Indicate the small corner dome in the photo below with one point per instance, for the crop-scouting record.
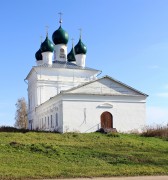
(80, 48)
(47, 46)
(60, 36)
(38, 55)
(71, 56)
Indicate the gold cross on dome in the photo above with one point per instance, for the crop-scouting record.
(60, 21)
(80, 30)
(72, 41)
(47, 27)
(41, 39)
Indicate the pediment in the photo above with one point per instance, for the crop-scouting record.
(105, 86)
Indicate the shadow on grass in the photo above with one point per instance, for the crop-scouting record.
(13, 129)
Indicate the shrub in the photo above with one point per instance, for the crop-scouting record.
(158, 131)
(113, 134)
(12, 129)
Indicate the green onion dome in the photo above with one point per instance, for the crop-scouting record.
(71, 55)
(38, 55)
(47, 45)
(60, 36)
(80, 48)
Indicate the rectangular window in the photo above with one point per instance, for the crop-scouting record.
(51, 121)
(48, 121)
(31, 102)
(56, 119)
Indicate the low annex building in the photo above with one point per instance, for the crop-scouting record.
(66, 96)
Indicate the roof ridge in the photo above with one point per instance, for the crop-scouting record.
(66, 65)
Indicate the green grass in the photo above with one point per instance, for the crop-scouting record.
(49, 155)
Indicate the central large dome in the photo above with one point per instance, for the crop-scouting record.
(60, 36)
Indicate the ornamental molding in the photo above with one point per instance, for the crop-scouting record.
(105, 105)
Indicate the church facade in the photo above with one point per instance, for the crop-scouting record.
(66, 96)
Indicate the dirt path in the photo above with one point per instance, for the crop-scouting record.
(121, 178)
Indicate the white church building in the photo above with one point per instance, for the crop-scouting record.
(66, 96)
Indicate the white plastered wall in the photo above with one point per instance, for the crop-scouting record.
(44, 83)
(60, 52)
(44, 113)
(83, 115)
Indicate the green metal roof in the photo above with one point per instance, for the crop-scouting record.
(47, 45)
(60, 36)
(80, 48)
(38, 55)
(71, 55)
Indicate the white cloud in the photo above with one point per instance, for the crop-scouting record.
(2, 118)
(154, 67)
(4, 104)
(157, 115)
(2, 115)
(164, 94)
(166, 86)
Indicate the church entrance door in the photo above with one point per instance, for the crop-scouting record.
(106, 120)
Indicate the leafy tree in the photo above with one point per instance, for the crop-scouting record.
(21, 113)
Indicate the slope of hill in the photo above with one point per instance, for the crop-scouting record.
(49, 155)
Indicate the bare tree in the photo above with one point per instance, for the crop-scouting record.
(21, 113)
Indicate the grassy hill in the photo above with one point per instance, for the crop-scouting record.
(48, 155)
